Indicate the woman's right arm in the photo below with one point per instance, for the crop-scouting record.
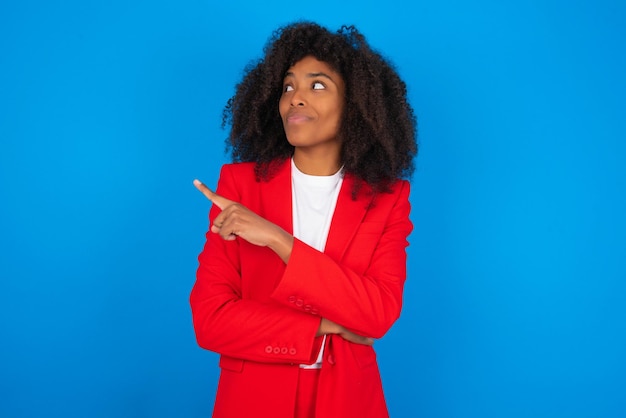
(228, 324)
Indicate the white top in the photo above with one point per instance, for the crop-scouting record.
(313, 200)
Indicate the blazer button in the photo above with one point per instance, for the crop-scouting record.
(314, 311)
(299, 303)
(276, 350)
(307, 308)
(284, 350)
(291, 299)
(269, 349)
(292, 351)
(331, 359)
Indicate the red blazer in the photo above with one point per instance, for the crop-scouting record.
(262, 315)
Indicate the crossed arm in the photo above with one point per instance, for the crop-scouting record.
(235, 220)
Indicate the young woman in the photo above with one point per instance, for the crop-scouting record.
(305, 260)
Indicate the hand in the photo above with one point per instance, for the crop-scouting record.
(235, 220)
(329, 327)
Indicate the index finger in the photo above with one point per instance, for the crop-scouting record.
(220, 201)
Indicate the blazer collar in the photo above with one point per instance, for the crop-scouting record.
(348, 214)
(276, 197)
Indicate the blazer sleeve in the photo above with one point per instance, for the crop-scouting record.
(367, 302)
(228, 324)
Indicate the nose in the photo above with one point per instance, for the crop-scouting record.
(297, 99)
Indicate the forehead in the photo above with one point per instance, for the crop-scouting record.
(310, 64)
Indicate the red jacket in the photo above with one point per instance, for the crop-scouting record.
(262, 315)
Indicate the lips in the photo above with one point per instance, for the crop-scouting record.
(297, 118)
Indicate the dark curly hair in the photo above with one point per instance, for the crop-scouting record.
(378, 128)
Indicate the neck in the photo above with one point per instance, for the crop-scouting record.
(315, 164)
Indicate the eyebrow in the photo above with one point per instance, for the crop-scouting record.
(311, 75)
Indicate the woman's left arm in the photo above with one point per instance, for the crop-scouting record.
(366, 300)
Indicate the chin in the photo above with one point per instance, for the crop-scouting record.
(296, 142)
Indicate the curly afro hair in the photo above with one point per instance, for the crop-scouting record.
(378, 128)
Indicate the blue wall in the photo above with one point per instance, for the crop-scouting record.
(515, 301)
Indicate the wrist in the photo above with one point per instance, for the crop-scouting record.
(282, 244)
(328, 327)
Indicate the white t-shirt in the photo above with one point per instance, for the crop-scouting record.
(313, 201)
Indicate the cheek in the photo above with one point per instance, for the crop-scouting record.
(337, 114)
(283, 107)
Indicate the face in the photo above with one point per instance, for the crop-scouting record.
(311, 105)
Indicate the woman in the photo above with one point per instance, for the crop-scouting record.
(305, 262)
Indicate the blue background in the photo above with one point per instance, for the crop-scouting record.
(515, 299)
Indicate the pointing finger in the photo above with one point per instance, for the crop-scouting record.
(220, 201)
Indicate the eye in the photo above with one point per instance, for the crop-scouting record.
(287, 88)
(317, 85)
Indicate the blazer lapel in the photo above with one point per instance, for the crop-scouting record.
(348, 216)
(349, 213)
(276, 197)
